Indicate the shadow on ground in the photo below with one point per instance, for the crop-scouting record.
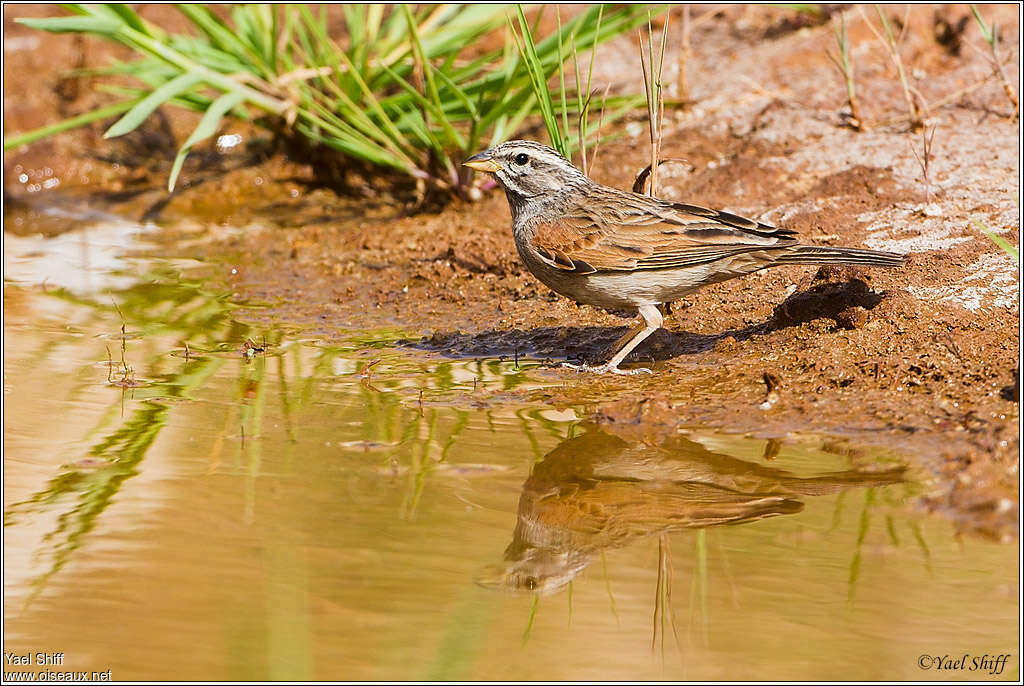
(838, 294)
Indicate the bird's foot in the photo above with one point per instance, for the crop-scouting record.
(607, 369)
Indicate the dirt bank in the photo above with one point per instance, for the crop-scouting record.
(923, 359)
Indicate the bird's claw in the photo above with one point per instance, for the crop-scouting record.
(607, 368)
(625, 372)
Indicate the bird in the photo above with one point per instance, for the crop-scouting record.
(598, 491)
(623, 251)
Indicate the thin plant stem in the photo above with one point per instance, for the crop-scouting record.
(600, 124)
(655, 97)
(1003, 244)
(925, 161)
(661, 90)
(683, 86)
(889, 40)
(991, 36)
(844, 62)
(399, 95)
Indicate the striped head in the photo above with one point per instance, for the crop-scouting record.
(528, 170)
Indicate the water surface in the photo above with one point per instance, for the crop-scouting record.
(187, 497)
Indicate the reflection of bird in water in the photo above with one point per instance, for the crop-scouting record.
(597, 491)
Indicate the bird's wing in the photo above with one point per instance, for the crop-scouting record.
(645, 234)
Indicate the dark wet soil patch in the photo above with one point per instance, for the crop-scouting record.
(840, 294)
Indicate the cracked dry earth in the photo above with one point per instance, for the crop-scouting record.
(922, 359)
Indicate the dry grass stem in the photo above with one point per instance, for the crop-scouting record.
(952, 97)
(647, 90)
(915, 103)
(991, 36)
(600, 125)
(689, 23)
(925, 161)
(844, 62)
(641, 178)
(683, 87)
(654, 93)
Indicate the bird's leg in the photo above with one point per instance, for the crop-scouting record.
(652, 322)
(626, 338)
(625, 345)
(615, 347)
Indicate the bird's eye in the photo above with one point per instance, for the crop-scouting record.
(521, 158)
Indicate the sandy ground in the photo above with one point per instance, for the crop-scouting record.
(923, 359)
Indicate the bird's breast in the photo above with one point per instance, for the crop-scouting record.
(583, 288)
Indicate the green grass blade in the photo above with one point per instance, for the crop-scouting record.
(538, 78)
(211, 26)
(136, 115)
(529, 621)
(356, 147)
(188, 101)
(801, 8)
(104, 27)
(363, 101)
(459, 94)
(20, 139)
(593, 53)
(129, 17)
(428, 75)
(206, 128)
(1003, 244)
(249, 22)
(986, 32)
(355, 21)
(561, 76)
(370, 98)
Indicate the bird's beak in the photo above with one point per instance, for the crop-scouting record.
(493, 577)
(482, 161)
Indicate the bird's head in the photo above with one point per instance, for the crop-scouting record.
(527, 169)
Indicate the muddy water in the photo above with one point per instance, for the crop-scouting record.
(186, 497)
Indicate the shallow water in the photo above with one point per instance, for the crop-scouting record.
(186, 497)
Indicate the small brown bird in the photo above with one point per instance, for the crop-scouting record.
(625, 251)
(597, 491)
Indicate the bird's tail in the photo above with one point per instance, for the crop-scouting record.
(814, 254)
